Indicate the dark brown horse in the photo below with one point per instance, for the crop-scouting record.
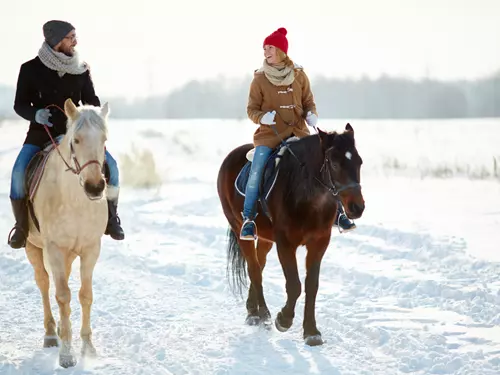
(315, 173)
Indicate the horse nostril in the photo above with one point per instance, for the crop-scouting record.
(356, 208)
(94, 189)
(101, 184)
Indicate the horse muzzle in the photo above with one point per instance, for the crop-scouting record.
(355, 209)
(94, 191)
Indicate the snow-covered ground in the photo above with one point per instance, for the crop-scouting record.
(415, 289)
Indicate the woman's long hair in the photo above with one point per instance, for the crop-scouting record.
(284, 58)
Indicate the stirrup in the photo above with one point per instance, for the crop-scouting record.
(339, 227)
(16, 227)
(9, 236)
(248, 238)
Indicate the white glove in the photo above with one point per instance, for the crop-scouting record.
(311, 119)
(268, 118)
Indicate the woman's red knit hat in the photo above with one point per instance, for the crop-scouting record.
(278, 39)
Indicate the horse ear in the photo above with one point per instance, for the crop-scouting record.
(105, 110)
(349, 128)
(323, 138)
(70, 109)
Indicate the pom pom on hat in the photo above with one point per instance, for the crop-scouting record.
(282, 30)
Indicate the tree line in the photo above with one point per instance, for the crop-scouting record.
(384, 97)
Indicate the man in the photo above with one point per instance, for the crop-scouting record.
(56, 74)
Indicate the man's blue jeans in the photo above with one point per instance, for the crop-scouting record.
(17, 190)
(260, 157)
(114, 177)
(27, 153)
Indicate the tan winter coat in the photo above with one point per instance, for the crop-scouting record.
(291, 104)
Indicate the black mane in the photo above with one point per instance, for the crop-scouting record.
(299, 178)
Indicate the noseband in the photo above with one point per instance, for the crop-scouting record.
(78, 168)
(335, 187)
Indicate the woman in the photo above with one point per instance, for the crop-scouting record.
(280, 97)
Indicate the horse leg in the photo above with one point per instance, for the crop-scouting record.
(58, 263)
(35, 256)
(315, 251)
(255, 275)
(288, 260)
(87, 264)
(263, 248)
(67, 270)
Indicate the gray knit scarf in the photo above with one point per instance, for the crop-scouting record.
(60, 62)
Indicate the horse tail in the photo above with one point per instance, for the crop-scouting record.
(236, 264)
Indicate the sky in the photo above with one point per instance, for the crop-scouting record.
(149, 47)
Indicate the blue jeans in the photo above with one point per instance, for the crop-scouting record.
(27, 153)
(260, 157)
(114, 177)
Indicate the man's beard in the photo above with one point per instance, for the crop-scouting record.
(70, 52)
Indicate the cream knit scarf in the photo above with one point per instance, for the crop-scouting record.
(278, 75)
(60, 62)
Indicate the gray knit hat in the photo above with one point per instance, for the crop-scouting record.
(54, 31)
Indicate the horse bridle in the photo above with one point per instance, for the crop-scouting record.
(78, 168)
(334, 188)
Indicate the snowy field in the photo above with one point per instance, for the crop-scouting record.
(414, 290)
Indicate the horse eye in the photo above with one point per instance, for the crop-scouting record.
(335, 166)
(77, 141)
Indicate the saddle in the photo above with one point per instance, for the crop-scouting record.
(269, 175)
(34, 173)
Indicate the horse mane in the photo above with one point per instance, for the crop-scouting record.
(299, 176)
(88, 116)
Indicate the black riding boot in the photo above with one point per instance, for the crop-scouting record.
(343, 221)
(113, 228)
(20, 210)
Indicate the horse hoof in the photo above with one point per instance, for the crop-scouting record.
(278, 326)
(50, 342)
(252, 320)
(314, 340)
(67, 360)
(278, 323)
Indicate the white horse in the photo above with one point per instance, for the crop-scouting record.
(71, 208)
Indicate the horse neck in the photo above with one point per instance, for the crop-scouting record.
(305, 160)
(301, 181)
